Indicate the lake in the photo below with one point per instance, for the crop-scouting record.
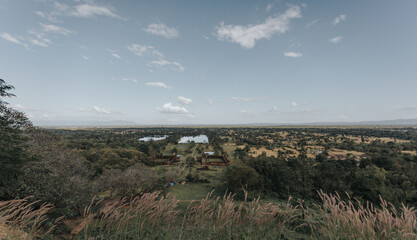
(196, 139)
(153, 138)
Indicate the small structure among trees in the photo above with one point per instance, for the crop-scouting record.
(166, 160)
(214, 160)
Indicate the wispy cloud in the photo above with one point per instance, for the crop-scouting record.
(88, 9)
(247, 36)
(161, 29)
(246, 99)
(157, 84)
(101, 110)
(170, 108)
(38, 37)
(40, 40)
(49, 28)
(336, 39)
(116, 55)
(129, 80)
(338, 19)
(294, 104)
(6, 36)
(159, 61)
(172, 64)
(141, 50)
(293, 54)
(184, 100)
(209, 101)
(91, 10)
(138, 49)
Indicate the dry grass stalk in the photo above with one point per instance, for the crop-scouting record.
(148, 211)
(21, 215)
(353, 220)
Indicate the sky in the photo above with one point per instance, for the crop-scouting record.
(210, 62)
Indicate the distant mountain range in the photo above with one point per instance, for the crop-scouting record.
(397, 122)
(117, 123)
(121, 123)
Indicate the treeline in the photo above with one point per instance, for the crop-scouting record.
(383, 173)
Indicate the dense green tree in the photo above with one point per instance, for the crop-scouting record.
(239, 176)
(12, 143)
(55, 174)
(133, 181)
(189, 163)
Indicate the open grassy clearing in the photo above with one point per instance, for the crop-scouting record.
(230, 149)
(254, 152)
(335, 151)
(414, 153)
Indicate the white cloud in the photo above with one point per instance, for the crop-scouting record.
(86, 58)
(336, 39)
(102, 110)
(294, 104)
(6, 36)
(247, 36)
(209, 101)
(157, 84)
(39, 43)
(170, 108)
(40, 40)
(245, 99)
(116, 55)
(162, 62)
(40, 14)
(161, 30)
(61, 6)
(129, 80)
(55, 29)
(89, 10)
(273, 109)
(184, 100)
(138, 49)
(141, 50)
(338, 19)
(293, 54)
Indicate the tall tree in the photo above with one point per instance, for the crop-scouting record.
(12, 143)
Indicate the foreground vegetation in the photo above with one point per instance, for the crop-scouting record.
(152, 216)
(282, 183)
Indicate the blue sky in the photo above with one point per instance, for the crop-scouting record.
(210, 62)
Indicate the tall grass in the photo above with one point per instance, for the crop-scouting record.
(224, 218)
(21, 220)
(338, 219)
(154, 216)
